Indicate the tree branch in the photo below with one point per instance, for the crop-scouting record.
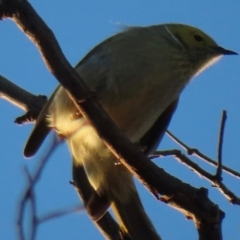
(191, 201)
(23, 99)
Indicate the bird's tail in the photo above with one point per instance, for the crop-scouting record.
(133, 219)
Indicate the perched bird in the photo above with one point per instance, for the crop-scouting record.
(138, 76)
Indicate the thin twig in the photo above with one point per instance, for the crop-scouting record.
(200, 155)
(55, 142)
(21, 211)
(60, 213)
(220, 146)
(32, 200)
(28, 192)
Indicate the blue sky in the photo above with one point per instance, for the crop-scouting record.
(79, 26)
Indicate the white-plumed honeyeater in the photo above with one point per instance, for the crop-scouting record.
(138, 76)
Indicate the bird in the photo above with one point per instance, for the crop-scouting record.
(138, 76)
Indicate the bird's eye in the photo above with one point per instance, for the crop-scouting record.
(198, 38)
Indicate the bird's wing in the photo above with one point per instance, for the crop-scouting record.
(41, 128)
(149, 142)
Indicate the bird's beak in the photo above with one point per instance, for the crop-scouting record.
(224, 51)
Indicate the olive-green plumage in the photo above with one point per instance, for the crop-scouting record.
(138, 76)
